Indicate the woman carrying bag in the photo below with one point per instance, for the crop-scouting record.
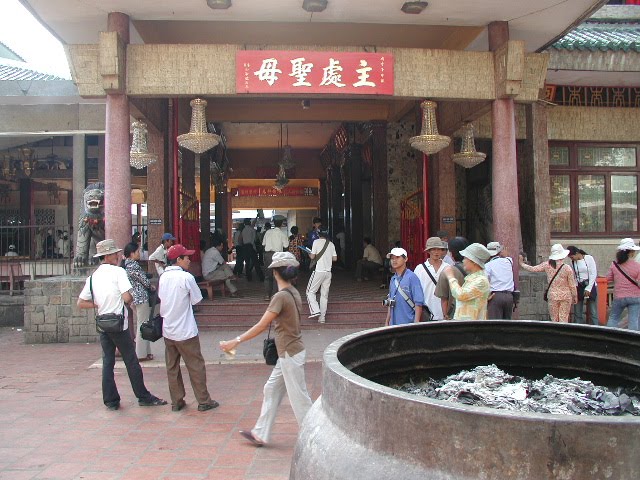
(625, 275)
(585, 271)
(141, 288)
(561, 292)
(288, 373)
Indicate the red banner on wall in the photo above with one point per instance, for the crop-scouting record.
(268, 71)
(274, 192)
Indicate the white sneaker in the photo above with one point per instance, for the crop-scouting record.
(314, 315)
(321, 320)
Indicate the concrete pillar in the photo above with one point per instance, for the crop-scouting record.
(79, 179)
(205, 196)
(380, 186)
(117, 169)
(443, 189)
(157, 192)
(504, 175)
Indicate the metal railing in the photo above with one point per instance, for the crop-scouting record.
(37, 250)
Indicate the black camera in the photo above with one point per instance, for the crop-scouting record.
(388, 302)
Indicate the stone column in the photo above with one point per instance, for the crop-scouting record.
(79, 178)
(535, 181)
(157, 192)
(504, 171)
(444, 185)
(117, 169)
(205, 196)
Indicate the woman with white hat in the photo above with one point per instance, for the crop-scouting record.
(288, 373)
(625, 276)
(561, 290)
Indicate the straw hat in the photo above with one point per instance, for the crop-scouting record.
(283, 259)
(106, 247)
(434, 242)
(477, 253)
(628, 244)
(558, 252)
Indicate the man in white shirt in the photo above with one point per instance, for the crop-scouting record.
(323, 251)
(274, 240)
(499, 270)
(428, 273)
(178, 292)
(159, 256)
(214, 267)
(107, 290)
(370, 262)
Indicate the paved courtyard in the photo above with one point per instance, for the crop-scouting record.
(54, 426)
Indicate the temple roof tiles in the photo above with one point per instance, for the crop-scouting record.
(602, 37)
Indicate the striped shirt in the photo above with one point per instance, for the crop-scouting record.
(471, 297)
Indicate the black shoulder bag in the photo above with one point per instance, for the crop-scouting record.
(108, 322)
(151, 329)
(546, 292)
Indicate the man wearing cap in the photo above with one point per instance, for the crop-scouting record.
(499, 271)
(471, 297)
(178, 292)
(107, 290)
(159, 256)
(370, 262)
(273, 240)
(428, 273)
(405, 291)
(324, 253)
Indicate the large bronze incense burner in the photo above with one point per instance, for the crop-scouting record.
(362, 429)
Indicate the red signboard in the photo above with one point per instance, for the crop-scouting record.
(268, 71)
(274, 192)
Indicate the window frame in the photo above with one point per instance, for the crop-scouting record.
(573, 170)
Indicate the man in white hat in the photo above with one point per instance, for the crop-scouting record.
(499, 271)
(107, 290)
(429, 273)
(471, 297)
(405, 299)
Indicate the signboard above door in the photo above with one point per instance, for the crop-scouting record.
(300, 72)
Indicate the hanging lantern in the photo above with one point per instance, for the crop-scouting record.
(198, 140)
(287, 159)
(468, 157)
(139, 156)
(281, 179)
(27, 160)
(429, 141)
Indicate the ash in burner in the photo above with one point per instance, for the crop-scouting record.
(488, 386)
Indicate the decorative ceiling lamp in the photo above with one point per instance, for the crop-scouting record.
(468, 157)
(429, 141)
(139, 156)
(198, 140)
(27, 160)
(287, 159)
(281, 179)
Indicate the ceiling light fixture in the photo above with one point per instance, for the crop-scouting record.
(468, 156)
(198, 140)
(219, 4)
(429, 141)
(414, 7)
(314, 6)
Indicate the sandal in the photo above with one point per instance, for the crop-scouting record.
(146, 359)
(251, 437)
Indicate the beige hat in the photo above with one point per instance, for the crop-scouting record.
(283, 259)
(477, 253)
(106, 247)
(434, 242)
(558, 252)
(494, 248)
(628, 244)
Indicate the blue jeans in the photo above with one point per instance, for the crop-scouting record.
(122, 340)
(581, 307)
(633, 308)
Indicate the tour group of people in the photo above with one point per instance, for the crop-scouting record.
(458, 280)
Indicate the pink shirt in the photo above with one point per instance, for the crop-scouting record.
(623, 288)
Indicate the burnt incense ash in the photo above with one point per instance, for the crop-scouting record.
(489, 386)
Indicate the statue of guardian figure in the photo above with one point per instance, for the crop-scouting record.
(90, 223)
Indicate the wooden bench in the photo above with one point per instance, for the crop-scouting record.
(207, 285)
(12, 274)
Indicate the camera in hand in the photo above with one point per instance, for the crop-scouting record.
(388, 302)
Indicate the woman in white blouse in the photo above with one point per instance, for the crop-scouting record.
(585, 271)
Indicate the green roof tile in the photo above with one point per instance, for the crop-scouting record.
(602, 36)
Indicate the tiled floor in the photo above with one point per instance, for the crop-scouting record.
(53, 424)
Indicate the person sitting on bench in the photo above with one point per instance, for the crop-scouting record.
(215, 268)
